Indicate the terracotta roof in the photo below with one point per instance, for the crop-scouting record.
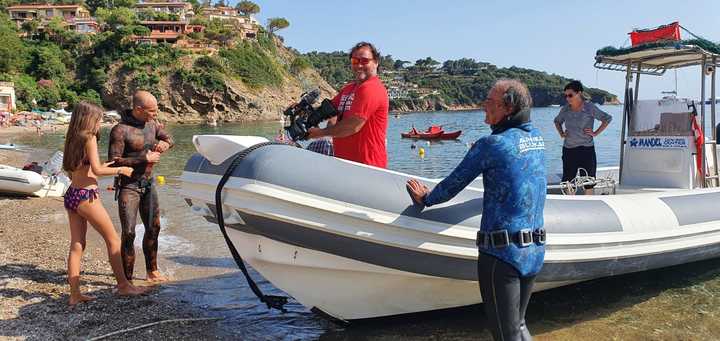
(163, 4)
(151, 22)
(18, 7)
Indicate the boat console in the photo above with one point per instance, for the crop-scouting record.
(660, 150)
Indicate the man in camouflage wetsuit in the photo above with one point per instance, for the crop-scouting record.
(137, 142)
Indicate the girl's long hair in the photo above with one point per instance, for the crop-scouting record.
(83, 126)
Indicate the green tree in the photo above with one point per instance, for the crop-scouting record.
(123, 3)
(13, 53)
(195, 5)
(31, 28)
(47, 63)
(400, 64)
(94, 5)
(26, 91)
(275, 24)
(427, 63)
(57, 31)
(387, 62)
(7, 3)
(247, 7)
(116, 18)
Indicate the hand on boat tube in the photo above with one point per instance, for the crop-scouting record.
(417, 191)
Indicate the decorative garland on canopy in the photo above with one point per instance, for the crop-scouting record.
(610, 51)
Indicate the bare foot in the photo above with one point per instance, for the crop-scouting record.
(79, 298)
(131, 290)
(156, 277)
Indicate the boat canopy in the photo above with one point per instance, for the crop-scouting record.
(656, 134)
(656, 58)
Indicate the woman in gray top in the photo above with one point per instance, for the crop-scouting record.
(579, 117)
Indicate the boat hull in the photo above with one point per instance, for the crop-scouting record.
(358, 249)
(422, 136)
(451, 136)
(18, 181)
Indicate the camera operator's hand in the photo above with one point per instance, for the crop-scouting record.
(315, 132)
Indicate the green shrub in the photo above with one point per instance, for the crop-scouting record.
(208, 80)
(266, 41)
(298, 64)
(144, 80)
(255, 68)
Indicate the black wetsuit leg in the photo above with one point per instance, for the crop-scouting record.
(150, 210)
(128, 205)
(505, 298)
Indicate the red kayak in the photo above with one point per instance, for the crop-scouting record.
(414, 134)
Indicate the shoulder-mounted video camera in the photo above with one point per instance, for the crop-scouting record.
(303, 116)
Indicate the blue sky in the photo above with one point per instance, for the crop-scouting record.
(558, 37)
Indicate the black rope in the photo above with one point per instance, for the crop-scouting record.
(277, 302)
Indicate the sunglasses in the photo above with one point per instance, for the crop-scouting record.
(361, 61)
(569, 95)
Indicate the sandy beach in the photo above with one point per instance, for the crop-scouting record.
(33, 289)
(18, 130)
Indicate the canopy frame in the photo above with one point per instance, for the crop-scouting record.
(655, 60)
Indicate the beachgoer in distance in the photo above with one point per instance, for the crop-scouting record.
(360, 128)
(578, 116)
(82, 163)
(137, 142)
(511, 236)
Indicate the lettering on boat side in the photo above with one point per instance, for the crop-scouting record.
(658, 142)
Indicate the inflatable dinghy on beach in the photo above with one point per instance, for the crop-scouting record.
(345, 238)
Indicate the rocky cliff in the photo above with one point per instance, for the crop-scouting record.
(184, 102)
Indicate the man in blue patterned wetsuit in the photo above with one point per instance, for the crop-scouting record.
(511, 237)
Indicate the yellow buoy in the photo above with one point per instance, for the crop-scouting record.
(421, 152)
(160, 180)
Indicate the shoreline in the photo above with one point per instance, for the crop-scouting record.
(33, 280)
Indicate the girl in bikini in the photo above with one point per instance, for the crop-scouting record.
(82, 163)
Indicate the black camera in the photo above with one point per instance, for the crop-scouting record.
(303, 116)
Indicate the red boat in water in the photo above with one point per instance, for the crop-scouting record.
(414, 134)
(432, 133)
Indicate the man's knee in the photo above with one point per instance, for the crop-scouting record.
(128, 238)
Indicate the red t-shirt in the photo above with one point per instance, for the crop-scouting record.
(368, 100)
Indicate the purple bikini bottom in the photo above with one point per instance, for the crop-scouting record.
(74, 196)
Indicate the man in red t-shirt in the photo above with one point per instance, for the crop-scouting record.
(359, 129)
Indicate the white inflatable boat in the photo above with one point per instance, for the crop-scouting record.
(354, 246)
(17, 181)
(51, 183)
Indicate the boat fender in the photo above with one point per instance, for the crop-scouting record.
(277, 302)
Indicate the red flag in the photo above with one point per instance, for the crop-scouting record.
(663, 33)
